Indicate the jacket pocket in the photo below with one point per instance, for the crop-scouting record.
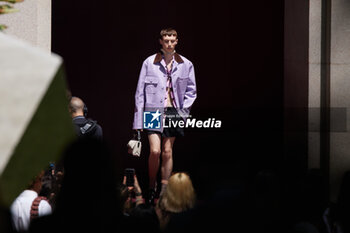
(151, 84)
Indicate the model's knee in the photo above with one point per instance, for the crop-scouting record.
(155, 152)
(167, 154)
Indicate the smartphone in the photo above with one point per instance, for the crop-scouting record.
(129, 173)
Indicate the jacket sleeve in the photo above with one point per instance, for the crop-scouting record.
(139, 98)
(191, 90)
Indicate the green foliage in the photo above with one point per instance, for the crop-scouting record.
(6, 8)
(11, 1)
(2, 27)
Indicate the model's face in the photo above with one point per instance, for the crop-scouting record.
(168, 43)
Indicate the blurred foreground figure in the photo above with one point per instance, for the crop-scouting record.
(88, 200)
(29, 205)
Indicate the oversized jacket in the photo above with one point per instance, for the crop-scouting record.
(151, 88)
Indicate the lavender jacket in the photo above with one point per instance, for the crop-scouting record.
(151, 88)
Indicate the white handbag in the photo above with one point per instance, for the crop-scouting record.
(134, 146)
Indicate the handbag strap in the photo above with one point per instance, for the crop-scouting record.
(138, 135)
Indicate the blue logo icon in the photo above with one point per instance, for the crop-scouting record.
(151, 120)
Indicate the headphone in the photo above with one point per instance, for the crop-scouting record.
(85, 110)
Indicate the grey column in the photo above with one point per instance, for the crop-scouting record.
(339, 92)
(314, 84)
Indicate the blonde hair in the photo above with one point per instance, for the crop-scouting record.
(179, 194)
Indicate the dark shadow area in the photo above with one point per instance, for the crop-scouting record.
(88, 199)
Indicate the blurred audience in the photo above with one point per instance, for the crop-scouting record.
(29, 205)
(80, 195)
(143, 218)
(178, 196)
(88, 200)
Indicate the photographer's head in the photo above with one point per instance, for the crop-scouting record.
(36, 182)
(76, 107)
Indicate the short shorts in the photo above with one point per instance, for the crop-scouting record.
(170, 115)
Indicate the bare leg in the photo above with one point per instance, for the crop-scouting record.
(153, 160)
(167, 159)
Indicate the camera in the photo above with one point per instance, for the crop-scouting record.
(129, 173)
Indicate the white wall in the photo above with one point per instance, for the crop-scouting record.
(32, 23)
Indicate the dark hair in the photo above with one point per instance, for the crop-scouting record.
(47, 182)
(35, 180)
(168, 32)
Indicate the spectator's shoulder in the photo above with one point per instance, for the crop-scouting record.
(45, 204)
(99, 127)
(15, 206)
(44, 208)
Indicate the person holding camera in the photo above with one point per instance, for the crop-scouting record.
(138, 216)
(128, 189)
(166, 84)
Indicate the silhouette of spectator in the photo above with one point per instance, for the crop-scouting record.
(29, 205)
(143, 218)
(88, 200)
(52, 183)
(178, 196)
(83, 127)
